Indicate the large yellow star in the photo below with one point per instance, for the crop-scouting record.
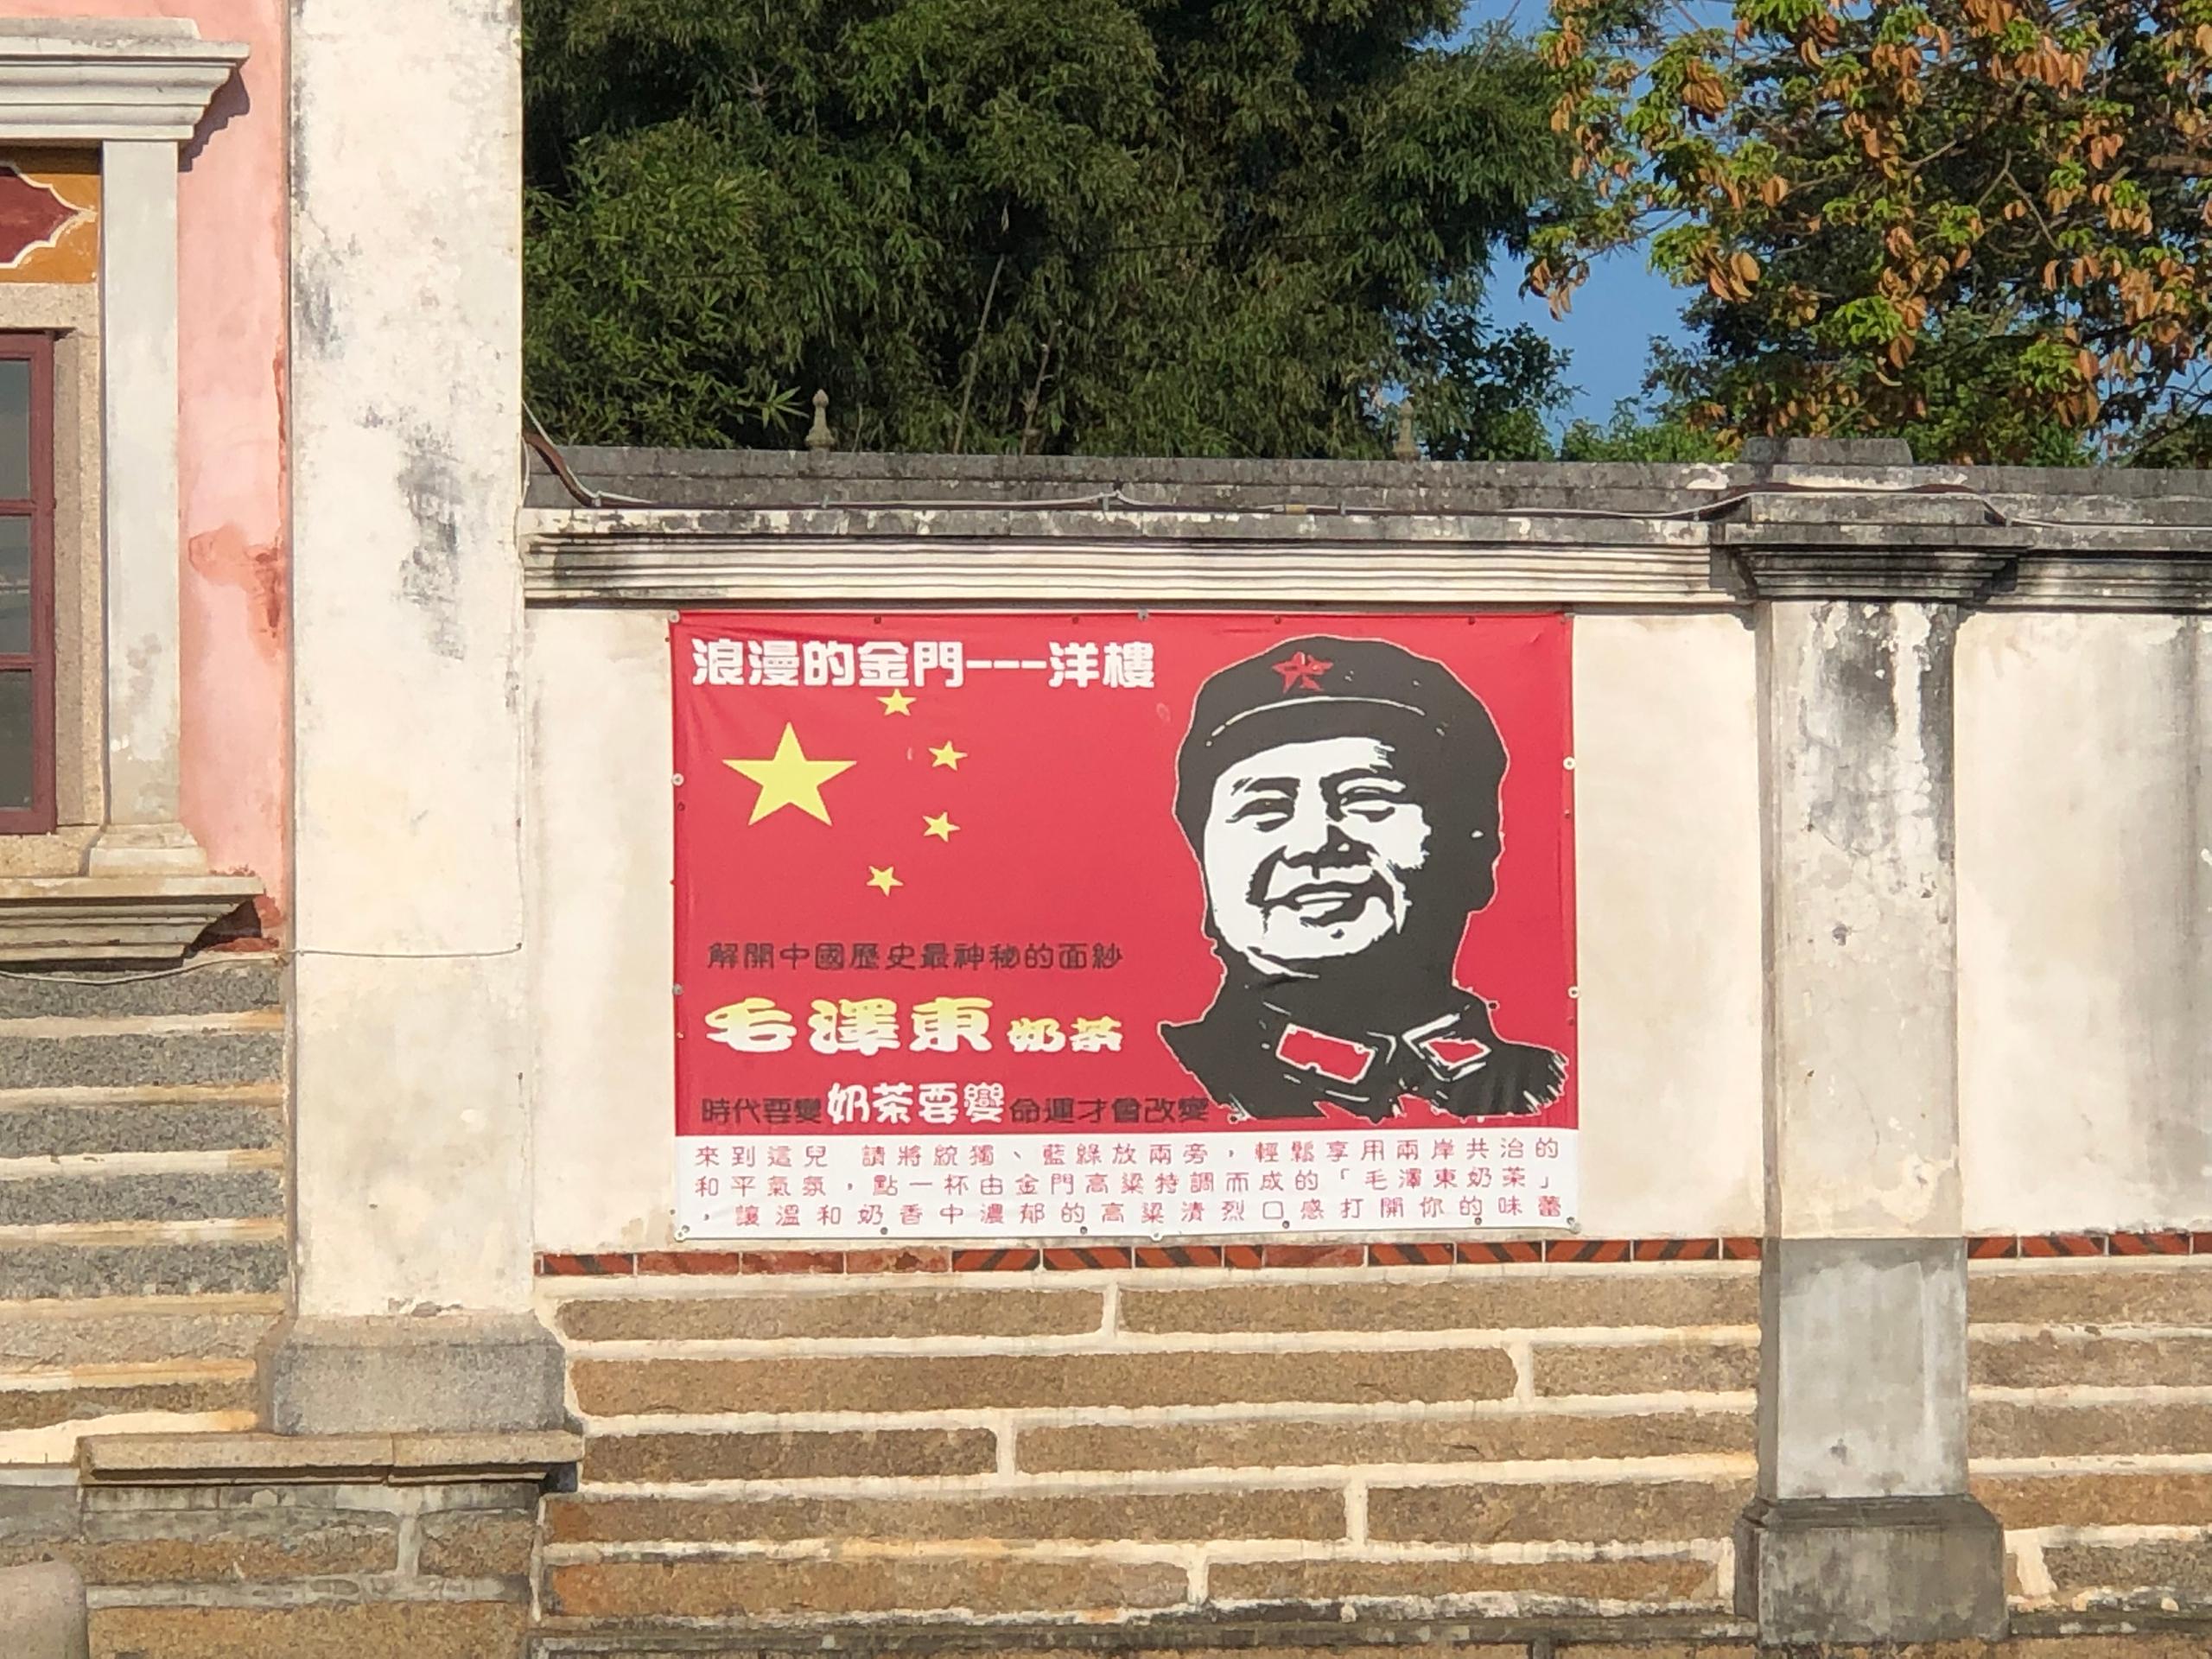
(947, 756)
(789, 778)
(941, 826)
(883, 880)
(896, 702)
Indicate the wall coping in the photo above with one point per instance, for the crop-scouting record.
(647, 477)
(1375, 533)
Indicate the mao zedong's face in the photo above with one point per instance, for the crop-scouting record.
(1312, 851)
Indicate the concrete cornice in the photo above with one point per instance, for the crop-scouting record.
(151, 918)
(1949, 546)
(66, 80)
(984, 555)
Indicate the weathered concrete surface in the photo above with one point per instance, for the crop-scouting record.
(1862, 1530)
(2085, 921)
(1862, 1368)
(700, 477)
(1833, 1570)
(1861, 952)
(43, 1613)
(603, 831)
(434, 1375)
(409, 1038)
(1666, 872)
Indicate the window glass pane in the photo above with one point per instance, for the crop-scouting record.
(14, 428)
(15, 585)
(16, 759)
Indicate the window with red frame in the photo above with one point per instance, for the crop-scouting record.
(26, 584)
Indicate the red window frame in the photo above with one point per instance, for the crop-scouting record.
(37, 350)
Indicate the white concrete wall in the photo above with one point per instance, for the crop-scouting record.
(602, 927)
(1667, 877)
(1667, 848)
(2085, 908)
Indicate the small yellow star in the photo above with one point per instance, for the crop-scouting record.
(941, 826)
(947, 756)
(883, 880)
(789, 778)
(898, 702)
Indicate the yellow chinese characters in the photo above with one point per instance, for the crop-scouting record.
(945, 1024)
(870, 1025)
(862, 1025)
(756, 1026)
(1043, 1036)
(1040, 1036)
(1092, 1036)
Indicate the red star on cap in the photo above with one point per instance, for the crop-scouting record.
(1300, 672)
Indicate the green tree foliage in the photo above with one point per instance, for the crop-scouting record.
(1632, 434)
(1152, 226)
(1982, 225)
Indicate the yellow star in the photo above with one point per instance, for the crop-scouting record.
(883, 880)
(788, 778)
(941, 826)
(897, 703)
(947, 756)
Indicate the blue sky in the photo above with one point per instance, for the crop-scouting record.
(1617, 312)
(1609, 333)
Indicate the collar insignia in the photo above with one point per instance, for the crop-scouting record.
(1338, 1059)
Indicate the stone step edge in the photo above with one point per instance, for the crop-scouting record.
(108, 1234)
(115, 1166)
(62, 1027)
(268, 1095)
(128, 1373)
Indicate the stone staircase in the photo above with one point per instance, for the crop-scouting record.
(143, 1245)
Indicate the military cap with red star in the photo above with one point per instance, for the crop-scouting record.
(1322, 686)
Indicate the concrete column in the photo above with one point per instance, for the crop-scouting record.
(43, 1613)
(1862, 1530)
(408, 1009)
(138, 295)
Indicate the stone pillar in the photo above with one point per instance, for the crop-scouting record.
(1862, 1529)
(409, 1033)
(138, 254)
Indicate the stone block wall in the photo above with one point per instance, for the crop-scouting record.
(1487, 1438)
(2091, 1427)
(1036, 1443)
(261, 1567)
(143, 1247)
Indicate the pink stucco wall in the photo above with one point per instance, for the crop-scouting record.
(232, 311)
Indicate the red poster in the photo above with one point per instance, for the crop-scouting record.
(1017, 927)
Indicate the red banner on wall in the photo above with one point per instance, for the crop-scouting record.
(1028, 926)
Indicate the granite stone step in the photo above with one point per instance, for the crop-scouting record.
(50, 1053)
(206, 984)
(59, 1336)
(76, 1198)
(71, 1122)
(43, 1271)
